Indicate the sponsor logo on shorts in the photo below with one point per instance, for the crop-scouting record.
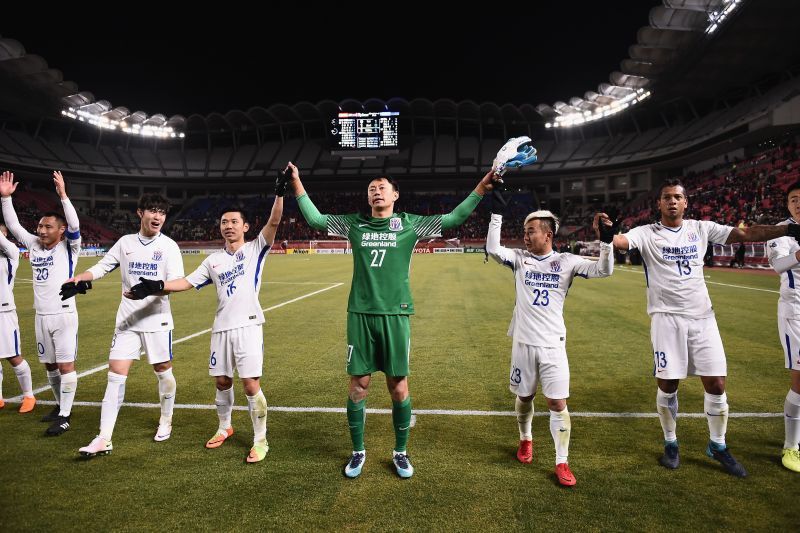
(251, 317)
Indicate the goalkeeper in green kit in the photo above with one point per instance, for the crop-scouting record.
(378, 328)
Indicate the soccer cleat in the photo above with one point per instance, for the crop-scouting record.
(257, 453)
(219, 437)
(791, 459)
(353, 467)
(671, 459)
(525, 451)
(52, 415)
(731, 465)
(58, 427)
(564, 475)
(2, 403)
(402, 463)
(28, 403)
(98, 446)
(163, 432)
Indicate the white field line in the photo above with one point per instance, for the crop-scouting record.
(632, 271)
(193, 335)
(417, 412)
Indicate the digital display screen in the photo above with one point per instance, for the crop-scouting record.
(364, 132)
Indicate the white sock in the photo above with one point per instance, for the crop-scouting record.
(224, 403)
(560, 429)
(667, 408)
(54, 379)
(69, 383)
(791, 408)
(166, 394)
(115, 394)
(716, 407)
(258, 414)
(23, 372)
(524, 417)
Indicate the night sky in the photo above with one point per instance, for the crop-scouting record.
(517, 53)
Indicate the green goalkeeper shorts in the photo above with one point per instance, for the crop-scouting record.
(378, 342)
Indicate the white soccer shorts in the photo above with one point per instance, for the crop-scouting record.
(789, 331)
(240, 349)
(684, 346)
(533, 364)
(10, 343)
(57, 337)
(130, 344)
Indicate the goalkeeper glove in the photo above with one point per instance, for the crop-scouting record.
(516, 152)
(70, 289)
(146, 288)
(282, 181)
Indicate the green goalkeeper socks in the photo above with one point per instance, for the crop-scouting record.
(401, 418)
(356, 418)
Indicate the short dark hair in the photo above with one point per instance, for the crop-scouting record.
(388, 178)
(153, 201)
(793, 187)
(671, 182)
(58, 216)
(234, 209)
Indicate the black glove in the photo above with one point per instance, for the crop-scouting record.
(794, 231)
(607, 232)
(282, 181)
(70, 289)
(146, 288)
(500, 201)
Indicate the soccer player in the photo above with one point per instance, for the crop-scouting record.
(9, 326)
(53, 254)
(784, 257)
(140, 325)
(543, 278)
(683, 329)
(378, 326)
(237, 341)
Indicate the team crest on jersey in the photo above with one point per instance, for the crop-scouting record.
(157, 255)
(240, 255)
(555, 266)
(395, 224)
(692, 236)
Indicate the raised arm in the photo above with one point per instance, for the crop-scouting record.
(310, 212)
(73, 224)
(605, 229)
(271, 227)
(7, 188)
(8, 248)
(459, 215)
(494, 249)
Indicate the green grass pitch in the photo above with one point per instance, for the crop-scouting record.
(466, 475)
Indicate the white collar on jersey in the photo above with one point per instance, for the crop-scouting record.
(144, 240)
(673, 230)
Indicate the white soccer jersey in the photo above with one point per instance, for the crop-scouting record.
(137, 256)
(542, 284)
(9, 262)
(51, 268)
(673, 264)
(781, 255)
(238, 280)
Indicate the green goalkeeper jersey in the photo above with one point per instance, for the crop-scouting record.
(382, 249)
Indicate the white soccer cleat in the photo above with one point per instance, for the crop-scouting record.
(98, 446)
(163, 433)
